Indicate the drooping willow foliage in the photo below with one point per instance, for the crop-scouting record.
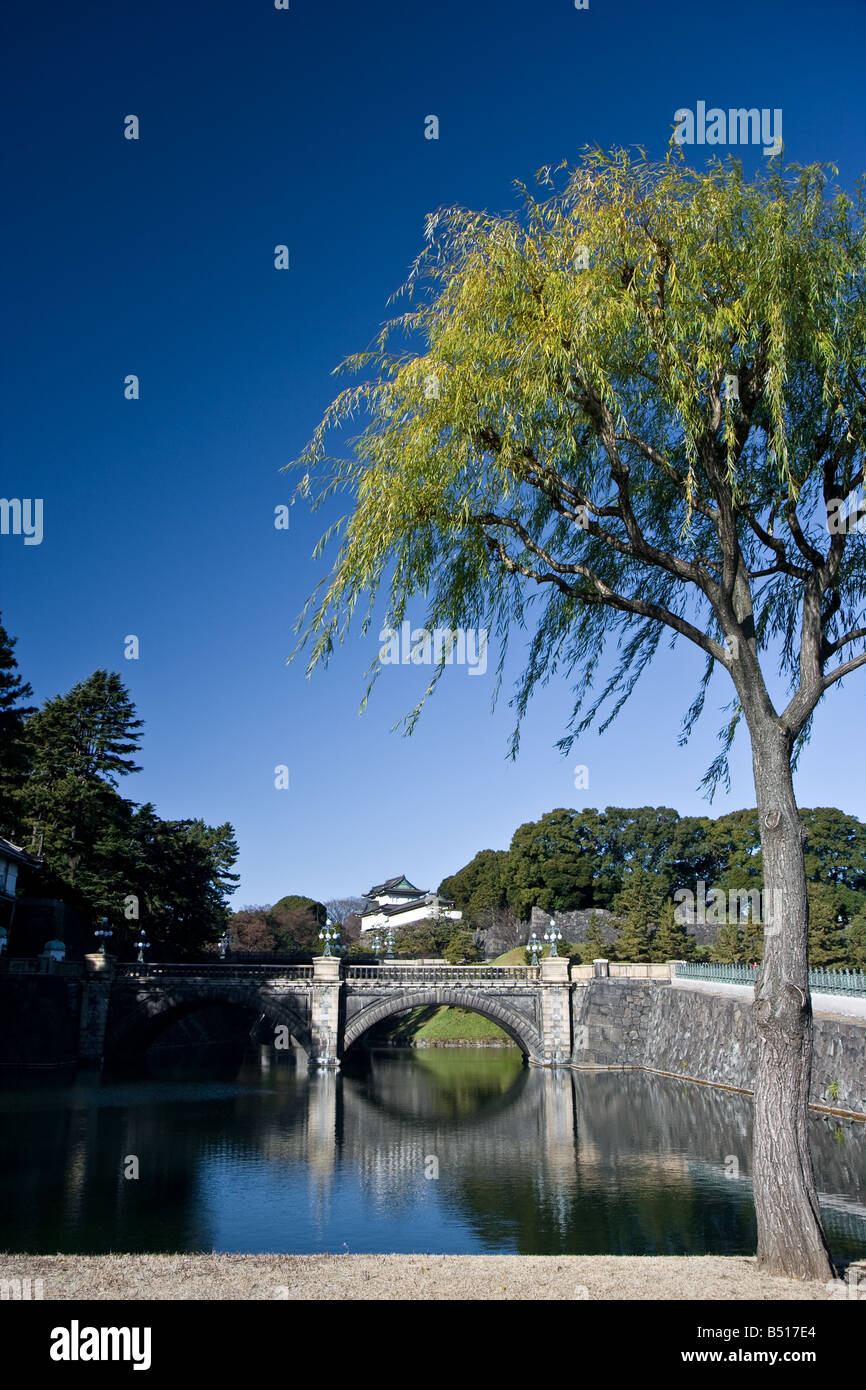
(625, 409)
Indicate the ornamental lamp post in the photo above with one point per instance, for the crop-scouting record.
(534, 945)
(104, 933)
(142, 945)
(225, 942)
(329, 935)
(377, 946)
(389, 942)
(553, 934)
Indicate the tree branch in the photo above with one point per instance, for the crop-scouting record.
(603, 593)
(843, 670)
(830, 647)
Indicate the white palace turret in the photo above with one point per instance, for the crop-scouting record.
(398, 903)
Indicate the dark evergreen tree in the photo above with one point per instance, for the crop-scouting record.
(170, 878)
(181, 880)
(671, 940)
(856, 942)
(461, 948)
(638, 907)
(79, 747)
(828, 944)
(593, 946)
(728, 948)
(481, 886)
(835, 847)
(13, 748)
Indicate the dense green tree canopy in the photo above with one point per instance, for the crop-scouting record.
(835, 847)
(480, 884)
(572, 859)
(181, 871)
(550, 865)
(80, 746)
(14, 693)
(62, 766)
(289, 927)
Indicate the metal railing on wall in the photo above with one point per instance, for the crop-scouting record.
(821, 981)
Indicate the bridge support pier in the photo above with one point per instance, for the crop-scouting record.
(95, 999)
(325, 1029)
(555, 1012)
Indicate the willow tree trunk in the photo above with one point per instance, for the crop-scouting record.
(791, 1238)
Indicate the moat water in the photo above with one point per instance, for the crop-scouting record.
(442, 1151)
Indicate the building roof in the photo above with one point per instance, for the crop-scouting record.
(392, 909)
(399, 886)
(10, 851)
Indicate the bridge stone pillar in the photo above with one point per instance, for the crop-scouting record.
(95, 998)
(555, 1012)
(325, 1022)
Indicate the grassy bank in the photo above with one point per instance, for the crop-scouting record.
(441, 1026)
(446, 1026)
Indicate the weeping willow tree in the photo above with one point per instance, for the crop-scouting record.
(634, 409)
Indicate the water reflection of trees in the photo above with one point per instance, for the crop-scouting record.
(62, 1154)
(529, 1160)
(453, 1084)
(619, 1162)
(652, 1159)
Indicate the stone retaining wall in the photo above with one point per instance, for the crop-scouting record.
(704, 1037)
(39, 1021)
(574, 925)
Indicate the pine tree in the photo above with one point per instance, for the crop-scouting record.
(856, 942)
(13, 748)
(593, 947)
(634, 943)
(182, 879)
(827, 942)
(671, 940)
(753, 939)
(639, 908)
(728, 947)
(462, 949)
(79, 747)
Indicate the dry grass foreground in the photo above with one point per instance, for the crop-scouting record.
(403, 1277)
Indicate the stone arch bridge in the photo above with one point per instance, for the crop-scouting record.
(326, 1007)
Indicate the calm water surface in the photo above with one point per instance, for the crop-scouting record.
(276, 1159)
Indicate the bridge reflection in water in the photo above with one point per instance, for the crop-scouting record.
(452, 1150)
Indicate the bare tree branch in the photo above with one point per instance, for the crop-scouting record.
(843, 670)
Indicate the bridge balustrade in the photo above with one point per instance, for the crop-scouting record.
(431, 974)
(396, 974)
(138, 970)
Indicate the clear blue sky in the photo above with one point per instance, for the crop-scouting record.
(155, 257)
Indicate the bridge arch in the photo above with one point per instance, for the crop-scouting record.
(152, 1012)
(518, 1028)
